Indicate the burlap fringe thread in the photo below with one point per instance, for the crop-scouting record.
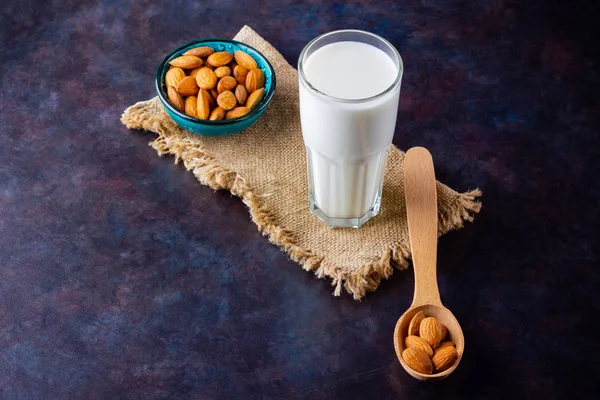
(209, 172)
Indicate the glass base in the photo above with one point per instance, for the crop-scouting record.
(334, 222)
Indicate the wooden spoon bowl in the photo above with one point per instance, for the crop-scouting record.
(421, 212)
(444, 316)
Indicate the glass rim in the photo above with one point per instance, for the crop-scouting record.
(306, 82)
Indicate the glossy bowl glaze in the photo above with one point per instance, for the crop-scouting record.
(223, 127)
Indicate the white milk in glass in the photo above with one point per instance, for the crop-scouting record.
(347, 141)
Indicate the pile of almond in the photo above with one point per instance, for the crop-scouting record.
(211, 85)
(426, 351)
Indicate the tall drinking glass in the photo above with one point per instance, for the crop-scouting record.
(349, 91)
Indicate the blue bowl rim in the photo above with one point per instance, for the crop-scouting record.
(257, 111)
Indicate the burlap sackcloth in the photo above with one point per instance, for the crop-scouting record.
(265, 165)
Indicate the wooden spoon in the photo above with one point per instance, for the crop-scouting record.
(421, 210)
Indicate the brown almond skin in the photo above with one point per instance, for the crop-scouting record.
(222, 71)
(255, 98)
(245, 60)
(226, 100)
(175, 98)
(201, 52)
(212, 103)
(241, 94)
(191, 105)
(214, 93)
(418, 360)
(444, 358)
(195, 71)
(226, 83)
(237, 112)
(445, 344)
(444, 332)
(186, 62)
(188, 87)
(431, 331)
(417, 342)
(415, 323)
(203, 109)
(255, 80)
(174, 76)
(240, 73)
(219, 58)
(206, 78)
(217, 114)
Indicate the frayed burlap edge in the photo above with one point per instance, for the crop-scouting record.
(209, 172)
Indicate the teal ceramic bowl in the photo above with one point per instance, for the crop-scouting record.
(223, 127)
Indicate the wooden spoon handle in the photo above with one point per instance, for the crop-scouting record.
(421, 211)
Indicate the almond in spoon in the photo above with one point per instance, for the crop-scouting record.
(444, 358)
(415, 323)
(418, 360)
(418, 343)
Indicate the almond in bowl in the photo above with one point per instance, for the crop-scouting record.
(229, 83)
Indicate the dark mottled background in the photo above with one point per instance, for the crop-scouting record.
(121, 277)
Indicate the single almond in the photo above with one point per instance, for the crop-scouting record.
(237, 112)
(206, 78)
(175, 98)
(186, 62)
(415, 323)
(214, 93)
(417, 342)
(188, 87)
(191, 105)
(255, 98)
(418, 360)
(226, 100)
(174, 76)
(217, 114)
(445, 344)
(431, 331)
(212, 103)
(226, 83)
(222, 71)
(444, 332)
(444, 358)
(219, 58)
(239, 73)
(245, 60)
(241, 94)
(203, 109)
(201, 52)
(255, 80)
(195, 71)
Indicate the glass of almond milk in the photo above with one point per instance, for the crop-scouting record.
(349, 91)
